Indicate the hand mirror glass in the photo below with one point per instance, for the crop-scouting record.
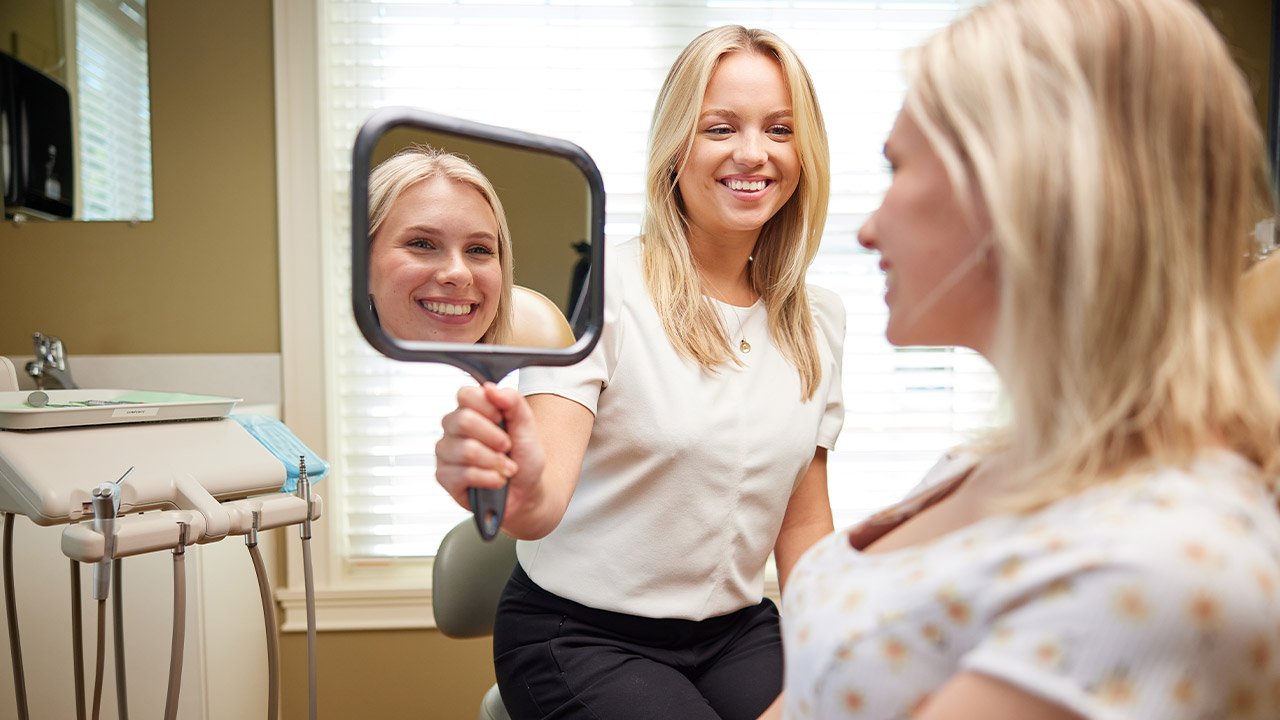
(473, 245)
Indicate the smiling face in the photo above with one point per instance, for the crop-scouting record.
(742, 166)
(434, 269)
(941, 285)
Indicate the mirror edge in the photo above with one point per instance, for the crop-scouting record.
(484, 362)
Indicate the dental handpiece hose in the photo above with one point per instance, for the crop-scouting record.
(179, 624)
(308, 582)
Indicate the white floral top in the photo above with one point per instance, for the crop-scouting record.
(1151, 598)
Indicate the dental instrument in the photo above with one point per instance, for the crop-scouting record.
(309, 589)
(40, 399)
(106, 505)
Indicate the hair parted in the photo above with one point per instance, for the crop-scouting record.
(1117, 149)
(787, 243)
(418, 163)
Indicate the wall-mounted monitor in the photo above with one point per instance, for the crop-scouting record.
(36, 153)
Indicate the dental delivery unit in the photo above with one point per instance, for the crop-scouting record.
(134, 472)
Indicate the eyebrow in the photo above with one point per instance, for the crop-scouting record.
(725, 112)
(432, 230)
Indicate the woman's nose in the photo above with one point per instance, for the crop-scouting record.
(454, 271)
(867, 233)
(751, 149)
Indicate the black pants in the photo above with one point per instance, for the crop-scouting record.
(558, 659)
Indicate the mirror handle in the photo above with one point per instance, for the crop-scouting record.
(488, 506)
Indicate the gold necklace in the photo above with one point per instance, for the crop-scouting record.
(743, 345)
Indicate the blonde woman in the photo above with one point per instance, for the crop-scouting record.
(1075, 185)
(439, 250)
(649, 483)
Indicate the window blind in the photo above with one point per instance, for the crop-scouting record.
(114, 110)
(589, 71)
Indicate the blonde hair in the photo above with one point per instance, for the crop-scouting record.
(1118, 152)
(415, 164)
(787, 242)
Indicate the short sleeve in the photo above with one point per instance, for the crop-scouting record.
(583, 381)
(1184, 623)
(829, 317)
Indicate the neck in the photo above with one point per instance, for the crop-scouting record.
(725, 269)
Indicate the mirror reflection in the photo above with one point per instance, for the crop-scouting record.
(439, 250)
(472, 241)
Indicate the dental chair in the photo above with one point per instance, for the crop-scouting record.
(468, 574)
(538, 322)
(466, 580)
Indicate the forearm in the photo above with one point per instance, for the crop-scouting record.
(564, 428)
(794, 542)
(539, 512)
(807, 520)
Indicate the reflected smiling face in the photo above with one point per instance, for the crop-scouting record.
(434, 268)
(743, 165)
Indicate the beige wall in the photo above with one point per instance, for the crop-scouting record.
(1246, 24)
(203, 277)
(391, 674)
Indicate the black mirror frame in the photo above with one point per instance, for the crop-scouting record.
(484, 362)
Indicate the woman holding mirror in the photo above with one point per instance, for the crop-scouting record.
(649, 483)
(440, 265)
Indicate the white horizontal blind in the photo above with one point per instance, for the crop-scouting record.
(589, 72)
(114, 115)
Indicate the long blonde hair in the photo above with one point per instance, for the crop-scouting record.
(1116, 146)
(788, 241)
(417, 163)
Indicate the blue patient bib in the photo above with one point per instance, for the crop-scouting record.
(280, 440)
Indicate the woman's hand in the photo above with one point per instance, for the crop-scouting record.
(477, 452)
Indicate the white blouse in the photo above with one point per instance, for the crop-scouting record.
(687, 473)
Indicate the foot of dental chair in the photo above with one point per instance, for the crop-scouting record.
(492, 708)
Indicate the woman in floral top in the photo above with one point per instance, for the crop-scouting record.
(1075, 186)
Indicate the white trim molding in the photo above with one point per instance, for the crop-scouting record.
(360, 609)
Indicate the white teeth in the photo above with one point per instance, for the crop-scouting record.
(746, 184)
(447, 308)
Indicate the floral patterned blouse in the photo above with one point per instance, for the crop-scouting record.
(1156, 597)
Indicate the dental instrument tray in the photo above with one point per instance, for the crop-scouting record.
(45, 409)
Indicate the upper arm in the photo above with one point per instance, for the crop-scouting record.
(974, 696)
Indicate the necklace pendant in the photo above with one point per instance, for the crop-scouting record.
(744, 346)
